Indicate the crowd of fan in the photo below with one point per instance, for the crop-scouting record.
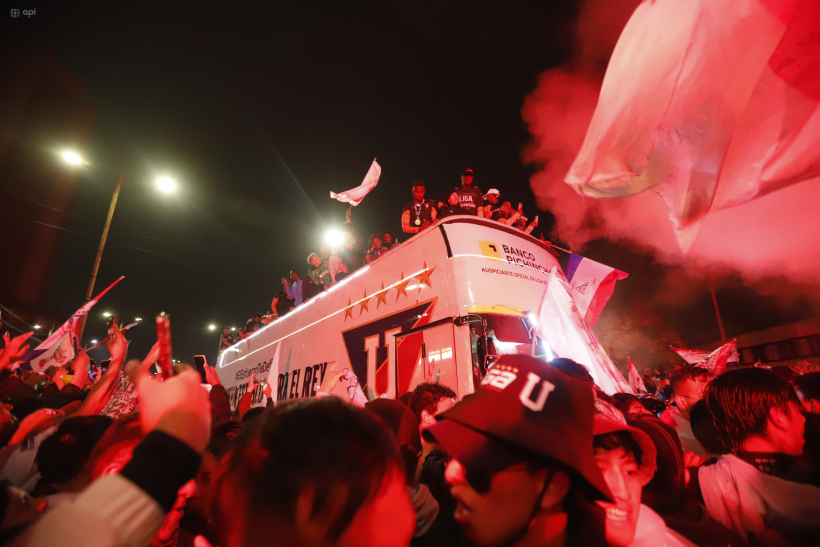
(331, 265)
(537, 456)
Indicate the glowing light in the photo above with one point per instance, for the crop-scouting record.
(532, 319)
(138, 319)
(106, 314)
(211, 327)
(37, 327)
(72, 158)
(233, 328)
(93, 341)
(334, 238)
(166, 184)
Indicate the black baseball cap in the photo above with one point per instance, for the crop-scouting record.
(467, 172)
(524, 410)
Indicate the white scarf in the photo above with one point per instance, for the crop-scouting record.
(775, 511)
(651, 531)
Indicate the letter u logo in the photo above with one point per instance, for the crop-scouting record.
(526, 393)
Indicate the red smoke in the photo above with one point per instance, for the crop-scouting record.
(777, 236)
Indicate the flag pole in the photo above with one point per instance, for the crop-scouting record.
(90, 292)
(717, 313)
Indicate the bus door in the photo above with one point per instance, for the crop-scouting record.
(426, 354)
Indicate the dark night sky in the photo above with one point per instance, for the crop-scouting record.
(259, 112)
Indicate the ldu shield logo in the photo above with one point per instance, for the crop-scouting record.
(371, 346)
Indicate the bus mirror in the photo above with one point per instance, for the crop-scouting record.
(462, 320)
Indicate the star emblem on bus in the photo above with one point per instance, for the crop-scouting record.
(424, 276)
(363, 304)
(348, 310)
(401, 287)
(381, 296)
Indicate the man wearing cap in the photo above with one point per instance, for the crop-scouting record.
(470, 197)
(522, 467)
(626, 457)
(490, 201)
(420, 213)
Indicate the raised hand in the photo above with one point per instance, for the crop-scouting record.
(177, 406)
(117, 347)
(211, 377)
(14, 349)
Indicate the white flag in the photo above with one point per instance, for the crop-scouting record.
(566, 333)
(273, 375)
(57, 355)
(67, 329)
(591, 284)
(356, 195)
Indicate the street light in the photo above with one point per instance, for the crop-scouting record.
(164, 184)
(106, 314)
(37, 327)
(72, 158)
(334, 238)
(211, 327)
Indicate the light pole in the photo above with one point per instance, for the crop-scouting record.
(164, 184)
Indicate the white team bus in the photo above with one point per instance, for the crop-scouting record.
(438, 307)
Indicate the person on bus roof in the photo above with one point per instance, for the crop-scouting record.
(376, 248)
(420, 213)
(294, 288)
(506, 215)
(226, 339)
(470, 197)
(452, 207)
(490, 202)
(319, 274)
(389, 241)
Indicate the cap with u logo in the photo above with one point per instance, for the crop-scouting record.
(524, 410)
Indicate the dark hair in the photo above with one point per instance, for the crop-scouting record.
(223, 435)
(740, 399)
(703, 427)
(809, 385)
(375, 236)
(348, 227)
(120, 440)
(687, 372)
(622, 401)
(295, 271)
(418, 183)
(252, 413)
(427, 395)
(62, 456)
(573, 370)
(404, 424)
(321, 444)
(619, 439)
